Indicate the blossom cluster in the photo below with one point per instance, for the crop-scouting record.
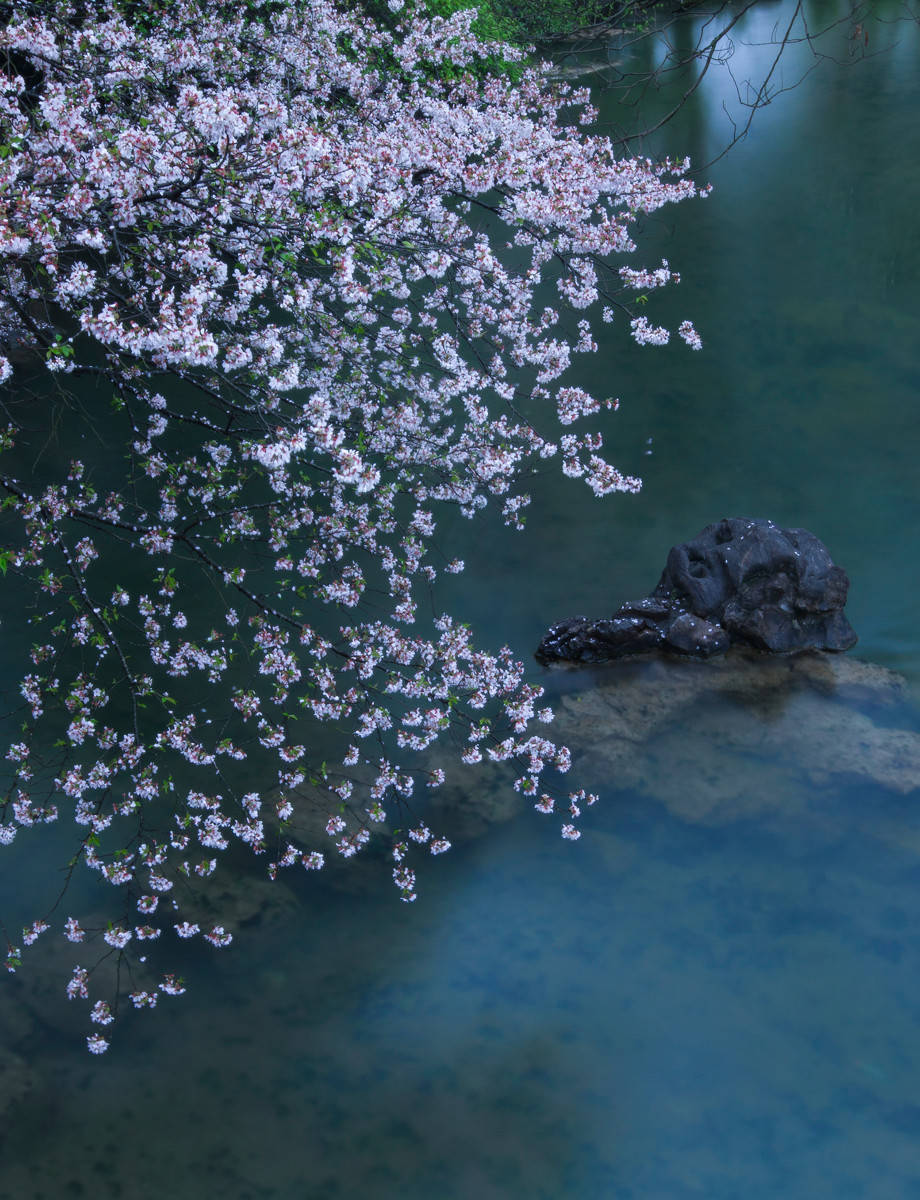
(308, 255)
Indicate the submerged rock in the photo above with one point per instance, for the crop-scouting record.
(18, 1079)
(743, 735)
(739, 582)
(814, 739)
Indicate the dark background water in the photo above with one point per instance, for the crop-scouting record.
(671, 1007)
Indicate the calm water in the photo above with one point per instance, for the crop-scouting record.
(714, 993)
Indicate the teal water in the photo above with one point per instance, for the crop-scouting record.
(714, 993)
(800, 272)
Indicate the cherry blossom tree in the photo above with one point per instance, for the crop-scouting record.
(296, 263)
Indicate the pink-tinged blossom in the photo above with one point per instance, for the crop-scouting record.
(142, 999)
(101, 1013)
(31, 934)
(77, 984)
(358, 356)
(218, 936)
(690, 336)
(603, 478)
(349, 846)
(96, 1043)
(72, 930)
(644, 280)
(647, 334)
(117, 937)
(404, 879)
(171, 986)
(582, 797)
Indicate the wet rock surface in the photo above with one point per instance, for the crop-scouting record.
(739, 582)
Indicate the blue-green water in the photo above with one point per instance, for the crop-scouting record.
(714, 993)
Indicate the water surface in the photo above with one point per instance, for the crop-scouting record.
(713, 993)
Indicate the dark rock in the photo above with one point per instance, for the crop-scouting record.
(694, 635)
(649, 607)
(739, 581)
(581, 640)
(776, 589)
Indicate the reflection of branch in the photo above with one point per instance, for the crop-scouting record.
(713, 44)
(708, 53)
(763, 95)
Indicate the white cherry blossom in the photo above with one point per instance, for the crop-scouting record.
(304, 260)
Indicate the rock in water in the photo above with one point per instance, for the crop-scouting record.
(748, 734)
(775, 589)
(739, 582)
